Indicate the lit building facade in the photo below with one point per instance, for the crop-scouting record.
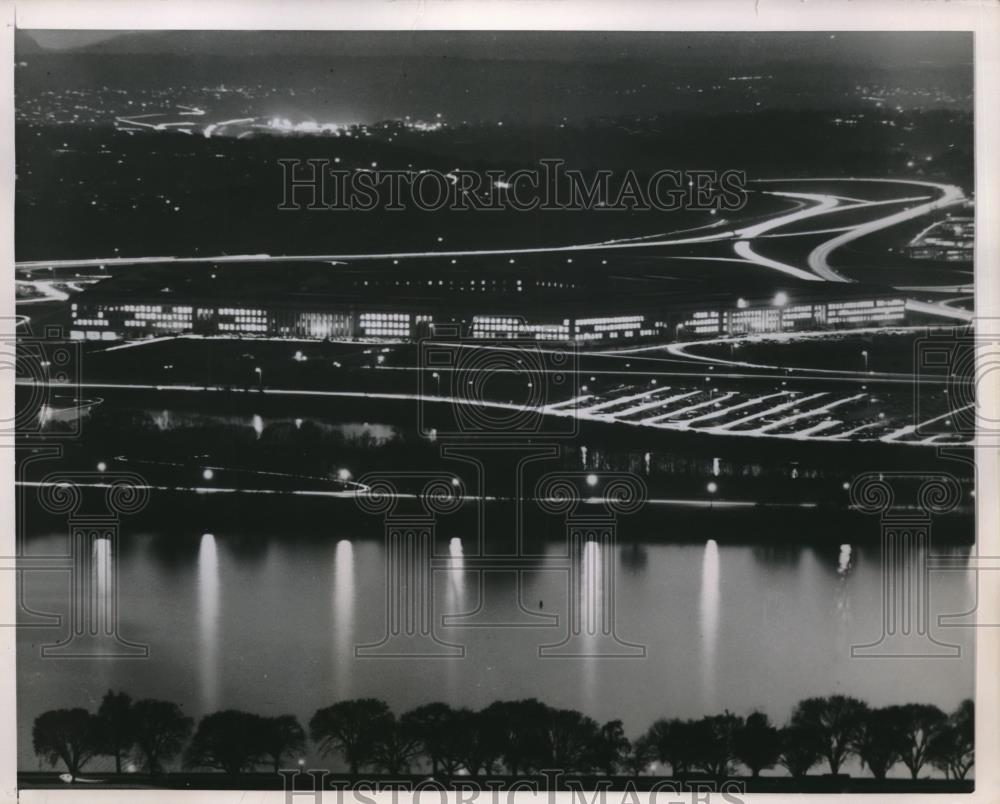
(97, 318)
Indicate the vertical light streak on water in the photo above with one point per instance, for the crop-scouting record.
(844, 566)
(103, 601)
(258, 425)
(456, 571)
(844, 559)
(709, 619)
(591, 605)
(343, 618)
(208, 623)
(455, 603)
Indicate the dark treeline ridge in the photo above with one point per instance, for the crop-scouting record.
(517, 737)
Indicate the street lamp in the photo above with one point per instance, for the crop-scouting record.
(437, 379)
(591, 480)
(260, 375)
(864, 354)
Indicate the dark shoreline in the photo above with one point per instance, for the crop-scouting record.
(268, 515)
(489, 786)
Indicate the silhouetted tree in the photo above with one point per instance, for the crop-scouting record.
(952, 748)
(640, 755)
(800, 749)
(350, 727)
(674, 744)
(834, 721)
(476, 741)
(161, 729)
(460, 740)
(714, 743)
(230, 741)
(432, 724)
(917, 724)
(570, 738)
(519, 726)
(611, 748)
(396, 745)
(69, 735)
(757, 744)
(116, 726)
(283, 736)
(877, 741)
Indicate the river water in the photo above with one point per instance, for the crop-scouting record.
(268, 623)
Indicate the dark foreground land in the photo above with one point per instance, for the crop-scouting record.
(492, 785)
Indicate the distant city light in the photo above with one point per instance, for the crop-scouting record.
(102, 466)
(208, 474)
(591, 480)
(780, 299)
(712, 487)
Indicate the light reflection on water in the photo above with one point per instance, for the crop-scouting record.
(456, 602)
(376, 433)
(343, 617)
(591, 601)
(208, 623)
(709, 618)
(725, 626)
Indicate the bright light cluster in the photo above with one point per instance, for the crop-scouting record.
(237, 319)
(389, 325)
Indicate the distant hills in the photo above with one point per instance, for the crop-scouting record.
(528, 77)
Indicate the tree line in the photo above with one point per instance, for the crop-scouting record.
(512, 737)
